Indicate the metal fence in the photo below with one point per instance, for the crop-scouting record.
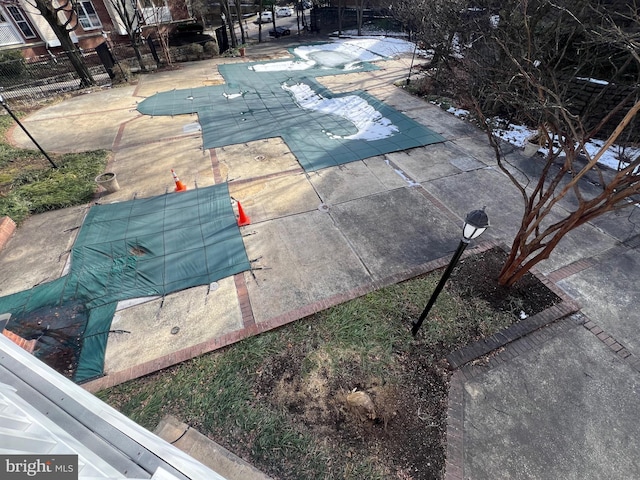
(46, 75)
(31, 79)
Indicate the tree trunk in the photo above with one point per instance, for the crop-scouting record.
(229, 21)
(72, 52)
(75, 57)
(534, 242)
(239, 15)
(131, 23)
(360, 14)
(136, 50)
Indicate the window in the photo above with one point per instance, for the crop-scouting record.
(87, 15)
(155, 12)
(21, 21)
(8, 33)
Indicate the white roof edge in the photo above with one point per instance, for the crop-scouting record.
(51, 381)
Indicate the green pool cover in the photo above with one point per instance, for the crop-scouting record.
(143, 247)
(159, 245)
(254, 104)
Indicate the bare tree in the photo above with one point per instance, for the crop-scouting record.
(62, 16)
(226, 10)
(158, 17)
(531, 66)
(198, 9)
(437, 25)
(239, 15)
(129, 14)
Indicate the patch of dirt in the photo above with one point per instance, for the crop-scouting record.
(406, 431)
(476, 277)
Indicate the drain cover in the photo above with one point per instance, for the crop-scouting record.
(323, 207)
(175, 330)
(259, 158)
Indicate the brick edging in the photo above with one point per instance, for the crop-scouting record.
(116, 378)
(28, 345)
(248, 320)
(617, 347)
(454, 455)
(454, 464)
(7, 227)
(510, 334)
(524, 327)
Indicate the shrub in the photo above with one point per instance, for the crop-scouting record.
(195, 50)
(211, 48)
(14, 206)
(8, 55)
(59, 190)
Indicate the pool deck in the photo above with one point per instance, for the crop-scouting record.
(560, 402)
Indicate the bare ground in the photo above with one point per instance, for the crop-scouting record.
(406, 432)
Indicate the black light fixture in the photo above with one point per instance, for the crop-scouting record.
(6, 107)
(475, 224)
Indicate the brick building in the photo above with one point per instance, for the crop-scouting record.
(23, 28)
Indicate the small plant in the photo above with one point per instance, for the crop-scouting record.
(234, 52)
(444, 103)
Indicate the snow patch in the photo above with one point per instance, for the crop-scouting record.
(346, 54)
(370, 123)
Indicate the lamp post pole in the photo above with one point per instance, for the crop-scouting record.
(475, 224)
(6, 107)
(440, 286)
(413, 57)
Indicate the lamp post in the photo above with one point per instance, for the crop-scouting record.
(474, 225)
(6, 107)
(413, 57)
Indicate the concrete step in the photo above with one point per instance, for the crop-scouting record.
(206, 451)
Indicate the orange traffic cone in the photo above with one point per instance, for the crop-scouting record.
(179, 185)
(243, 219)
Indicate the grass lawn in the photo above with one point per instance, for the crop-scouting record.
(281, 400)
(29, 183)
